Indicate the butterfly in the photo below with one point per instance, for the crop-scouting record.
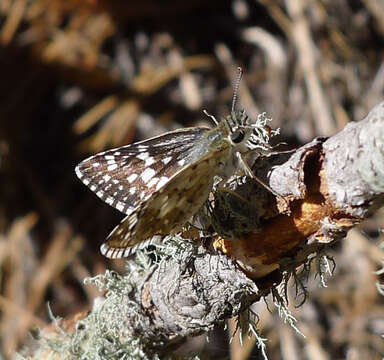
(161, 182)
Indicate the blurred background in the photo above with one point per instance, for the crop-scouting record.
(81, 76)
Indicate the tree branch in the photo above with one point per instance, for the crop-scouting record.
(183, 288)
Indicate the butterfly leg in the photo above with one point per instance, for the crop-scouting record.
(250, 173)
(278, 152)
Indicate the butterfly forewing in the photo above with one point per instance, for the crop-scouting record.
(126, 176)
(170, 207)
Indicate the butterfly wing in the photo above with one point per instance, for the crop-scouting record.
(125, 177)
(170, 207)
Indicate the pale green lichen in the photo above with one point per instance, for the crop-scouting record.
(281, 304)
(246, 325)
(106, 332)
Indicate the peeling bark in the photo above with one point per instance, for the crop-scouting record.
(331, 185)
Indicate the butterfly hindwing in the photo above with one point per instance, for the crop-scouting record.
(169, 208)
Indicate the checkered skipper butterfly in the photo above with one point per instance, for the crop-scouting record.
(160, 183)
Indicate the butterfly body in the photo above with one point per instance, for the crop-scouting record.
(160, 183)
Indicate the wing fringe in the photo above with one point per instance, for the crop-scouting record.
(119, 253)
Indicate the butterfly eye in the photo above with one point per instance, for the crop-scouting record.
(238, 136)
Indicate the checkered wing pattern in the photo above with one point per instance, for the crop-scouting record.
(169, 207)
(127, 176)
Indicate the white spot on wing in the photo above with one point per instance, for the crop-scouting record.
(127, 252)
(120, 206)
(162, 182)
(130, 210)
(109, 157)
(149, 161)
(132, 190)
(143, 156)
(106, 178)
(147, 175)
(166, 160)
(96, 164)
(153, 182)
(112, 167)
(104, 249)
(78, 172)
(131, 178)
(181, 162)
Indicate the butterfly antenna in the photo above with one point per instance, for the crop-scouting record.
(236, 87)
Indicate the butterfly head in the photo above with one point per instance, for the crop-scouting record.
(246, 135)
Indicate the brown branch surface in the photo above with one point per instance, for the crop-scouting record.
(331, 185)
